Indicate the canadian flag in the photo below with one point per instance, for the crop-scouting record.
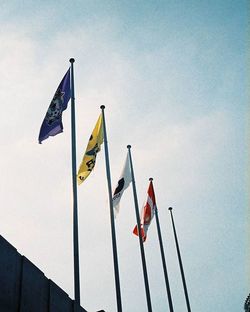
(147, 213)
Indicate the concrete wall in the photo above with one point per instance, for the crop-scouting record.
(24, 288)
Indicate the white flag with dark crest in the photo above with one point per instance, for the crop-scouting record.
(122, 184)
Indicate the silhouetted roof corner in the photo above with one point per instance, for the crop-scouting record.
(24, 286)
(247, 304)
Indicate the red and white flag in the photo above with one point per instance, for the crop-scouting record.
(147, 213)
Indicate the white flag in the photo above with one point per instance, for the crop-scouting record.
(122, 184)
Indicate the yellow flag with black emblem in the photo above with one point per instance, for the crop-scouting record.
(94, 146)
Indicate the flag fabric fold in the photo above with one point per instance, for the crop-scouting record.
(123, 183)
(147, 213)
(93, 147)
(52, 123)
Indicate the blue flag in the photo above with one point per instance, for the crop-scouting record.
(52, 123)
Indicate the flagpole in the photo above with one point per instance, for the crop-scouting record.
(180, 262)
(115, 257)
(171, 309)
(74, 180)
(139, 234)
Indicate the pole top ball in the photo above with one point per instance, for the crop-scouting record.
(128, 146)
(102, 106)
(170, 208)
(151, 179)
(72, 60)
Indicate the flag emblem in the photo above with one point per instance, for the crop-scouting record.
(119, 188)
(55, 109)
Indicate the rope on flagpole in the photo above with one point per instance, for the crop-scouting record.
(144, 266)
(74, 184)
(171, 309)
(180, 261)
(113, 235)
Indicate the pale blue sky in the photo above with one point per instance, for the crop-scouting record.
(172, 75)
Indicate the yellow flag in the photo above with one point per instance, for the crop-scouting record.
(89, 158)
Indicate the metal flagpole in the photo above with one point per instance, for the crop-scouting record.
(74, 180)
(139, 234)
(180, 262)
(171, 309)
(115, 257)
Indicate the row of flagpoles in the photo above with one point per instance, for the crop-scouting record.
(51, 126)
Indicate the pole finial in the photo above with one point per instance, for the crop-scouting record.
(170, 208)
(151, 179)
(128, 146)
(72, 60)
(102, 107)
